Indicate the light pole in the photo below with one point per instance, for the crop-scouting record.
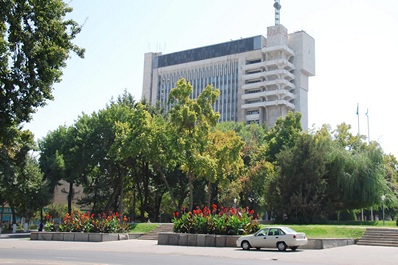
(382, 199)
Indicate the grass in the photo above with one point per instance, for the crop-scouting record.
(330, 231)
(140, 228)
(340, 230)
(337, 230)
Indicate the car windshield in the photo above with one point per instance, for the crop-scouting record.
(288, 230)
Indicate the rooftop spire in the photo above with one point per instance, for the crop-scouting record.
(277, 7)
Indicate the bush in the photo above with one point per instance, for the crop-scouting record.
(397, 222)
(86, 222)
(223, 221)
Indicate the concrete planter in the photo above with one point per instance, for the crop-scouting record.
(76, 236)
(201, 240)
(328, 243)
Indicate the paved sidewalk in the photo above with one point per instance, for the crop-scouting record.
(353, 254)
(15, 235)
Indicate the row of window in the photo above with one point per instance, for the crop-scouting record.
(213, 51)
(227, 83)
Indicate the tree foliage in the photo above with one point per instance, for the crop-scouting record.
(325, 173)
(35, 43)
(192, 120)
(135, 159)
(283, 134)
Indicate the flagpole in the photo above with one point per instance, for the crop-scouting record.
(367, 118)
(358, 118)
(358, 137)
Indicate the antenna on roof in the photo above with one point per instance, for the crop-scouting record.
(277, 7)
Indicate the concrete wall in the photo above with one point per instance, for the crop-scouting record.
(75, 236)
(206, 240)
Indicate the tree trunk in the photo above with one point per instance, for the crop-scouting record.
(132, 211)
(1, 217)
(14, 217)
(70, 197)
(145, 181)
(163, 176)
(95, 196)
(190, 179)
(208, 193)
(111, 200)
(121, 193)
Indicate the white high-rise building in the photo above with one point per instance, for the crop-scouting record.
(260, 79)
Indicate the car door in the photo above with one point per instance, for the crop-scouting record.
(258, 240)
(273, 237)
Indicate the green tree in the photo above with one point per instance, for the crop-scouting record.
(355, 171)
(30, 193)
(192, 120)
(63, 157)
(284, 134)
(391, 175)
(298, 191)
(223, 159)
(35, 43)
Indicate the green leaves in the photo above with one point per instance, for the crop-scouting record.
(34, 46)
(284, 134)
(321, 174)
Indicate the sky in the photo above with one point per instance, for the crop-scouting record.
(356, 55)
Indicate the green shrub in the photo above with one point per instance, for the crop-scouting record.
(223, 221)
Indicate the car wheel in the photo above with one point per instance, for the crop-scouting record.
(281, 246)
(245, 245)
(294, 248)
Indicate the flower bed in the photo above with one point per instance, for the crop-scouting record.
(217, 221)
(86, 222)
(216, 227)
(85, 227)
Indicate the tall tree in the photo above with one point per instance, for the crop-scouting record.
(30, 193)
(298, 192)
(13, 162)
(192, 120)
(35, 43)
(223, 159)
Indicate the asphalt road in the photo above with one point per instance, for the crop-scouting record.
(24, 251)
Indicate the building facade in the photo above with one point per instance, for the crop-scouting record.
(260, 79)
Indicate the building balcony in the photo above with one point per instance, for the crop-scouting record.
(254, 66)
(281, 93)
(252, 117)
(283, 48)
(278, 63)
(264, 104)
(278, 74)
(281, 83)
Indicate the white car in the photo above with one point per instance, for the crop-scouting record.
(270, 237)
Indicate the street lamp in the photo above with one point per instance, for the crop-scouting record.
(382, 199)
(235, 202)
